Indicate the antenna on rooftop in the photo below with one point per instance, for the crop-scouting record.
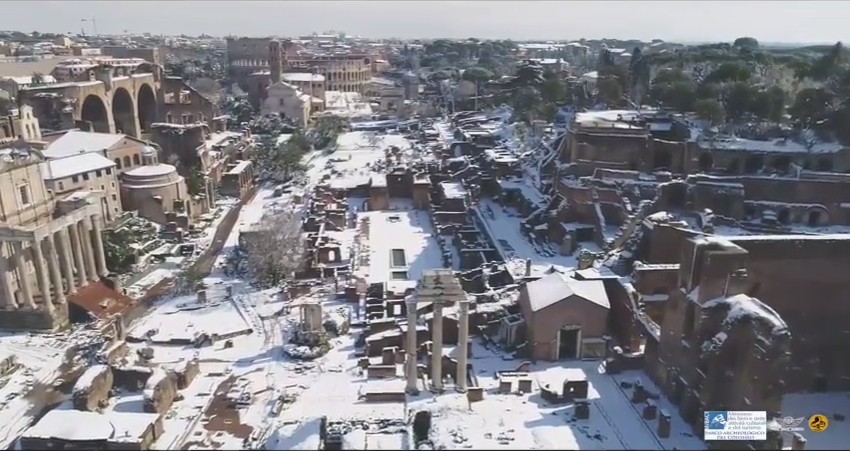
(93, 25)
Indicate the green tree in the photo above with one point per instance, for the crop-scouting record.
(710, 110)
(811, 106)
(479, 76)
(746, 43)
(554, 90)
(529, 73)
(730, 72)
(327, 131)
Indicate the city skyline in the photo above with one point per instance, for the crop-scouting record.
(788, 22)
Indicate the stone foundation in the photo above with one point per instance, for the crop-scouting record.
(35, 319)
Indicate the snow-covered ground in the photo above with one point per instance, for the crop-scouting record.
(39, 357)
(173, 265)
(353, 162)
(503, 421)
(504, 227)
(349, 104)
(411, 232)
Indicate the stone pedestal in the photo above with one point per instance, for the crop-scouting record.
(664, 424)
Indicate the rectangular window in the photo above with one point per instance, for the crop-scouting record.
(398, 258)
(690, 319)
(75, 179)
(24, 191)
(114, 197)
(98, 174)
(61, 186)
(108, 171)
(85, 176)
(398, 275)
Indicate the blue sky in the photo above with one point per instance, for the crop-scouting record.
(675, 20)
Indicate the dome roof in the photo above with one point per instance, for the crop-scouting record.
(148, 151)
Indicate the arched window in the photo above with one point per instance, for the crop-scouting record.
(824, 164)
(706, 162)
(136, 160)
(127, 163)
(117, 163)
(753, 164)
(784, 216)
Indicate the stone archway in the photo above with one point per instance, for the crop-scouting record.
(706, 162)
(124, 112)
(95, 113)
(146, 105)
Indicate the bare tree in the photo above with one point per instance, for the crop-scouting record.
(275, 249)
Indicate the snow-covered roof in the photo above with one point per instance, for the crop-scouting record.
(771, 146)
(151, 171)
(555, 287)
(79, 426)
(88, 377)
(70, 165)
(453, 190)
(609, 119)
(303, 76)
(27, 79)
(743, 306)
(76, 141)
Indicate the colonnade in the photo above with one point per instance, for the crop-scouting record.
(411, 371)
(64, 259)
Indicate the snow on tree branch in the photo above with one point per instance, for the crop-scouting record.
(275, 249)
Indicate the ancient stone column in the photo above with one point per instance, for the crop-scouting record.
(463, 346)
(437, 348)
(23, 275)
(55, 272)
(97, 238)
(411, 349)
(77, 250)
(5, 280)
(41, 274)
(67, 261)
(88, 249)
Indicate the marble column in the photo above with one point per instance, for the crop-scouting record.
(97, 239)
(77, 251)
(437, 348)
(6, 281)
(412, 350)
(41, 274)
(67, 262)
(463, 345)
(23, 275)
(55, 271)
(88, 249)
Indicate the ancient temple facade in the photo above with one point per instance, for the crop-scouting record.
(49, 247)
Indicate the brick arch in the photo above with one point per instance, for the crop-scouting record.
(93, 111)
(146, 105)
(123, 107)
